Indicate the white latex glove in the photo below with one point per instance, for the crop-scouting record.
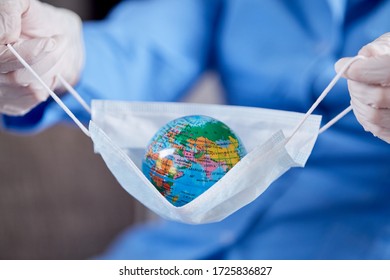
(369, 86)
(49, 39)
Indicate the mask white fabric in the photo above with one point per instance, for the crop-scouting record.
(121, 131)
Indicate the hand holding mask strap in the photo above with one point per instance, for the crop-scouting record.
(55, 96)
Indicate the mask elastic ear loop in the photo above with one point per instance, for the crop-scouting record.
(52, 94)
(322, 96)
(74, 93)
(335, 119)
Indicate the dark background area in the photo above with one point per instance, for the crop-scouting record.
(99, 9)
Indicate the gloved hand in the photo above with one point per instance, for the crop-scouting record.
(369, 86)
(49, 39)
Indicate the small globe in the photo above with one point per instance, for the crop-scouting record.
(188, 155)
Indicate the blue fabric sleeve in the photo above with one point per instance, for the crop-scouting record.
(144, 50)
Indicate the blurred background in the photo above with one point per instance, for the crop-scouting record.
(57, 198)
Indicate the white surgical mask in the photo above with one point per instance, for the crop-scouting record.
(121, 130)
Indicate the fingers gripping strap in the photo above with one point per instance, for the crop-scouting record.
(52, 94)
(323, 95)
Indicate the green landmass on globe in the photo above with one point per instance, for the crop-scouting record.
(190, 154)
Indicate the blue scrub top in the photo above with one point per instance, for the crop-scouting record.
(271, 53)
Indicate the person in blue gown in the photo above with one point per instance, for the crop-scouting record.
(275, 54)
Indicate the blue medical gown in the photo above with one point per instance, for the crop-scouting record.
(273, 54)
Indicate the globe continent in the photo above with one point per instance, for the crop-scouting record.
(188, 155)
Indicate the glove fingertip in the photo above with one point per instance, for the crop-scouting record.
(40, 94)
(341, 63)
